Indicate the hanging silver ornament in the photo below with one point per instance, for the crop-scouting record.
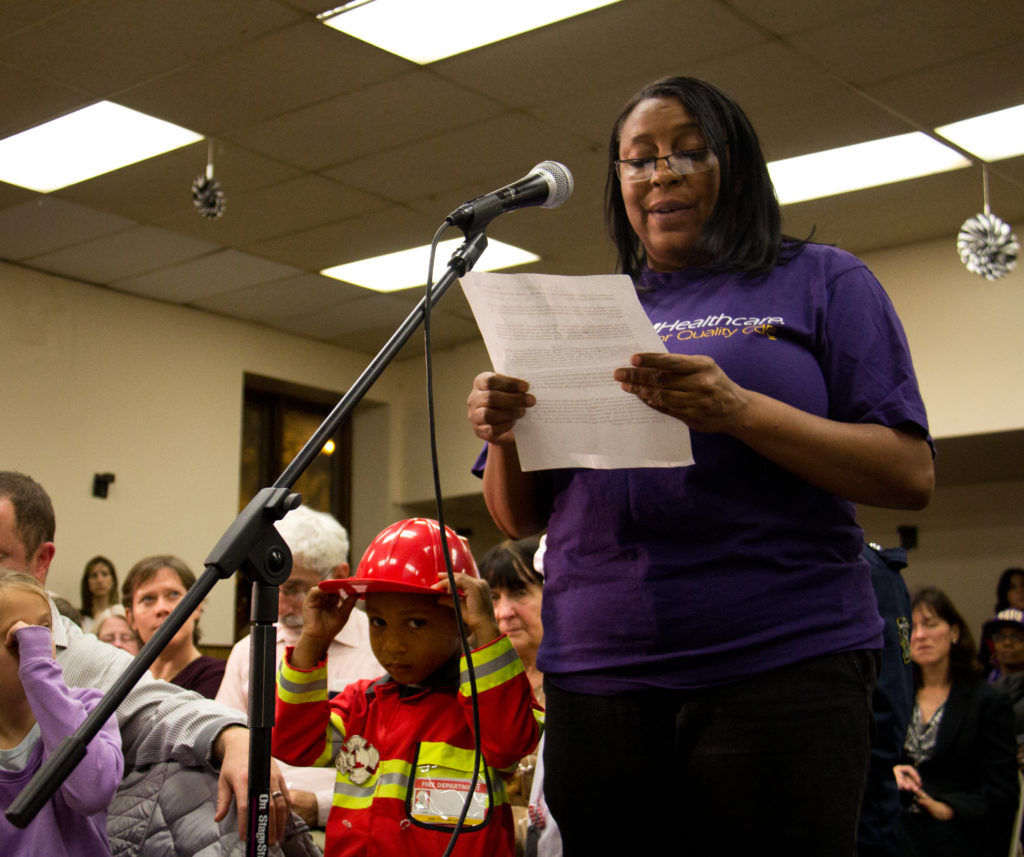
(985, 243)
(207, 196)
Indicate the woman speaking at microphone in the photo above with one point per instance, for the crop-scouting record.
(709, 630)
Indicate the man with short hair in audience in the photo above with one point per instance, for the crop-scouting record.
(319, 547)
(159, 722)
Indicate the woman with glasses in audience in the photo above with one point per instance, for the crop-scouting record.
(708, 629)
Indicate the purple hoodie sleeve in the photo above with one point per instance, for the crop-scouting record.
(59, 711)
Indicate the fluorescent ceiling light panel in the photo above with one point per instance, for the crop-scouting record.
(427, 30)
(86, 143)
(862, 165)
(990, 137)
(407, 269)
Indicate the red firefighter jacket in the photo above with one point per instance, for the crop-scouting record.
(405, 757)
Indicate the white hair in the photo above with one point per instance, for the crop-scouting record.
(317, 541)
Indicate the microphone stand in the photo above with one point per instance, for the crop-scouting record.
(253, 546)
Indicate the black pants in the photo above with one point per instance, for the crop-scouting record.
(772, 764)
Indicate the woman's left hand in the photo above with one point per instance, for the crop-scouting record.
(935, 808)
(861, 462)
(691, 388)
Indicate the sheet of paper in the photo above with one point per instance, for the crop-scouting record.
(566, 336)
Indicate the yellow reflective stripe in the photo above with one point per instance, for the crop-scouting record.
(457, 763)
(446, 756)
(493, 665)
(392, 777)
(334, 741)
(295, 686)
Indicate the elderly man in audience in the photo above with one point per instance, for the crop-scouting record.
(158, 721)
(319, 546)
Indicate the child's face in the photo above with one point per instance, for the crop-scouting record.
(23, 605)
(411, 635)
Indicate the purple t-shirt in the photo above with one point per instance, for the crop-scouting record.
(688, 577)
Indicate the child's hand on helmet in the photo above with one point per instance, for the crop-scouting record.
(324, 614)
(475, 604)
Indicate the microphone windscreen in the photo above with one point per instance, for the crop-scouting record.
(559, 181)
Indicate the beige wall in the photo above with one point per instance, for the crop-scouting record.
(457, 446)
(99, 381)
(966, 537)
(964, 333)
(965, 336)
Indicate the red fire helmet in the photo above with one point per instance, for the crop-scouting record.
(406, 557)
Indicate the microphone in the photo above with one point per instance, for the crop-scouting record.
(548, 185)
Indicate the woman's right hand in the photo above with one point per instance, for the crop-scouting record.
(494, 405)
(907, 778)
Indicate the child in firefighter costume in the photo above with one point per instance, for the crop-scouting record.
(403, 744)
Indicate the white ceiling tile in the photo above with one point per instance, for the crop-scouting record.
(906, 37)
(268, 303)
(224, 271)
(46, 223)
(375, 118)
(107, 45)
(280, 209)
(122, 254)
(496, 151)
(259, 79)
(390, 229)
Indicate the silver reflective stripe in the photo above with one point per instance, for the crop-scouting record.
(295, 687)
(394, 778)
(491, 667)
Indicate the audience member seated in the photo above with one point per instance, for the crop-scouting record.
(99, 590)
(151, 591)
(112, 627)
(1004, 637)
(959, 771)
(39, 711)
(1010, 590)
(319, 546)
(1009, 593)
(517, 590)
(515, 572)
(158, 721)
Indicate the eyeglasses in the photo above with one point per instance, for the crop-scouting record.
(681, 163)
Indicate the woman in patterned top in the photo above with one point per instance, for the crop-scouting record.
(959, 766)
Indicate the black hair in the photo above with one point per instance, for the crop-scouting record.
(1003, 587)
(509, 565)
(86, 593)
(963, 665)
(35, 522)
(743, 231)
